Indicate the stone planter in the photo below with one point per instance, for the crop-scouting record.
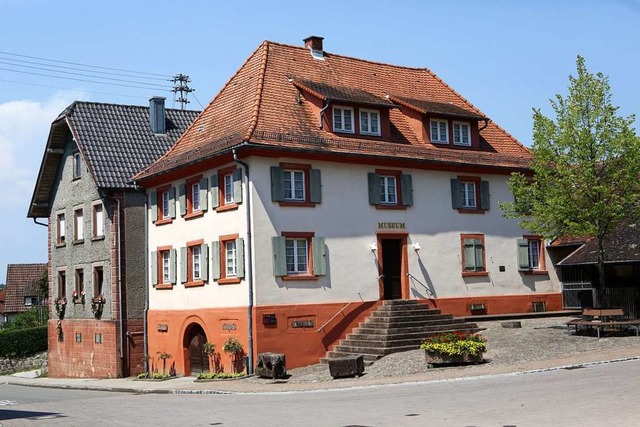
(440, 359)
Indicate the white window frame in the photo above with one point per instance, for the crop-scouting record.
(77, 165)
(469, 187)
(166, 266)
(228, 189)
(165, 204)
(366, 130)
(196, 254)
(460, 124)
(98, 219)
(446, 133)
(230, 258)
(296, 243)
(61, 228)
(531, 250)
(385, 194)
(195, 197)
(338, 111)
(78, 224)
(289, 175)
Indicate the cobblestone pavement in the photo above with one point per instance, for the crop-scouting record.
(542, 339)
(540, 344)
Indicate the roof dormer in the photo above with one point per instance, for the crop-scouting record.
(442, 124)
(349, 111)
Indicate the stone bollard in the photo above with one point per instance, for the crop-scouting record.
(271, 365)
(340, 367)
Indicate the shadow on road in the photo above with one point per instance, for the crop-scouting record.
(8, 414)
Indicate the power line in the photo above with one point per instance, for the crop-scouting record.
(194, 95)
(84, 65)
(76, 69)
(73, 90)
(82, 74)
(80, 80)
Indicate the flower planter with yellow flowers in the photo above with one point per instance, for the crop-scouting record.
(454, 349)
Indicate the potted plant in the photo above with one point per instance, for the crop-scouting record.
(60, 305)
(97, 304)
(453, 348)
(209, 349)
(163, 355)
(234, 348)
(78, 298)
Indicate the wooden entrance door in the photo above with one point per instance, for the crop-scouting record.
(198, 361)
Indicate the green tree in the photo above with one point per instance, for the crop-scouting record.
(586, 164)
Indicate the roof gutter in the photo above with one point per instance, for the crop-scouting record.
(249, 260)
(40, 223)
(486, 123)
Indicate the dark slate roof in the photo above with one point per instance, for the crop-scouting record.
(117, 140)
(623, 245)
(434, 107)
(22, 281)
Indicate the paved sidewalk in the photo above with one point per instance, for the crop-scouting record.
(541, 344)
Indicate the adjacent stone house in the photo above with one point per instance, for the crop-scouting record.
(96, 222)
(313, 187)
(22, 292)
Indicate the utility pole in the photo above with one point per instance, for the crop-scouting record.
(181, 86)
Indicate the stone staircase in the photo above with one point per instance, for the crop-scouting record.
(397, 325)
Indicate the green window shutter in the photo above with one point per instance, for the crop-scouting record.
(182, 198)
(204, 194)
(469, 255)
(315, 186)
(215, 193)
(406, 187)
(479, 252)
(153, 203)
(319, 256)
(172, 202)
(523, 255)
(183, 264)
(172, 266)
(215, 260)
(237, 186)
(456, 194)
(374, 188)
(277, 184)
(279, 256)
(485, 201)
(204, 261)
(154, 268)
(240, 256)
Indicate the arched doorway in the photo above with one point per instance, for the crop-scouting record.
(196, 360)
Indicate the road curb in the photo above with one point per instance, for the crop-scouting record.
(133, 390)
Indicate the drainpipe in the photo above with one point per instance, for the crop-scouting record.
(120, 305)
(145, 344)
(249, 262)
(40, 223)
(326, 105)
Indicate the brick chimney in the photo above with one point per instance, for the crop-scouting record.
(157, 114)
(314, 42)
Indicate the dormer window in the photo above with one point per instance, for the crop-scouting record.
(462, 133)
(343, 119)
(439, 131)
(369, 122)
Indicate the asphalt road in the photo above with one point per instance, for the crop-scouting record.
(602, 395)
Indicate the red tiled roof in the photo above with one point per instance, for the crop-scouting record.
(22, 281)
(423, 106)
(259, 104)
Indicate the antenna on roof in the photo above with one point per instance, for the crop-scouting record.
(181, 85)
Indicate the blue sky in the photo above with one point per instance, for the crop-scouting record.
(504, 56)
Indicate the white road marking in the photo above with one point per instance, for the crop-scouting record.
(8, 402)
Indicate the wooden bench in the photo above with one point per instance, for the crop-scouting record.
(600, 318)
